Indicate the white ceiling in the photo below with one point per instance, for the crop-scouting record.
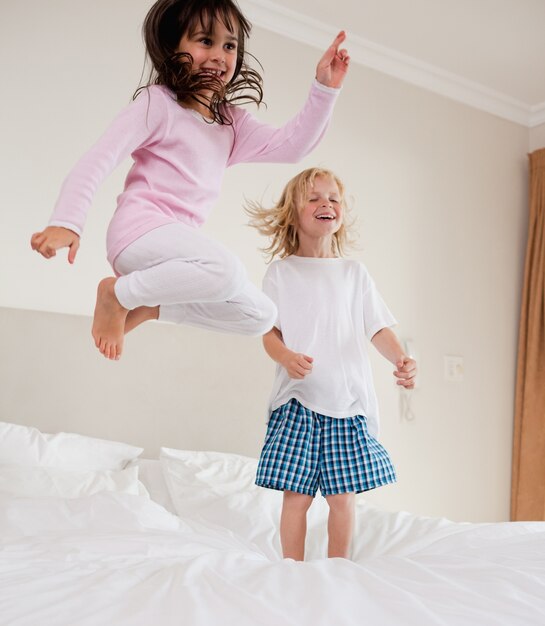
(488, 53)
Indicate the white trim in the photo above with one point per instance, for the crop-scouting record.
(538, 115)
(293, 25)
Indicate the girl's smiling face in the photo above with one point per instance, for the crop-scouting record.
(214, 52)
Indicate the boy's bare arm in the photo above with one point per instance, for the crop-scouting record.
(387, 343)
(297, 365)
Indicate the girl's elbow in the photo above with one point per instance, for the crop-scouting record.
(298, 151)
(299, 154)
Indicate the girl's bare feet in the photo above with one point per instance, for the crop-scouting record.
(109, 321)
(140, 315)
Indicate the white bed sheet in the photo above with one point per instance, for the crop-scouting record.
(118, 560)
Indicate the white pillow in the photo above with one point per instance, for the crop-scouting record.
(27, 446)
(151, 476)
(219, 489)
(30, 482)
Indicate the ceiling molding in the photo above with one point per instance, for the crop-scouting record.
(537, 116)
(304, 29)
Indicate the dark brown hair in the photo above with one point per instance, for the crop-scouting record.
(165, 24)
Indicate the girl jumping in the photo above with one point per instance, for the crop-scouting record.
(323, 410)
(182, 130)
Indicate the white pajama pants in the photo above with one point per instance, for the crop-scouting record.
(194, 280)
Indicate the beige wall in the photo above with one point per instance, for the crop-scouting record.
(440, 195)
(537, 137)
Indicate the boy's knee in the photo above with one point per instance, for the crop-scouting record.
(342, 502)
(297, 501)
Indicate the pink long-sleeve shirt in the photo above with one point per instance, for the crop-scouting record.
(179, 161)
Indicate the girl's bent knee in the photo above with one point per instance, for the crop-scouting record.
(231, 275)
(266, 317)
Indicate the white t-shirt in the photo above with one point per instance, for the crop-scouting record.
(326, 310)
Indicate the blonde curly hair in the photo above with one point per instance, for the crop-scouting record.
(279, 222)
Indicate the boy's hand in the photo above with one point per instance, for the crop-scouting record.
(297, 365)
(48, 241)
(406, 372)
(333, 65)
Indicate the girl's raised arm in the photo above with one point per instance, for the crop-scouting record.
(258, 142)
(333, 65)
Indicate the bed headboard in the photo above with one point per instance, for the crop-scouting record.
(175, 386)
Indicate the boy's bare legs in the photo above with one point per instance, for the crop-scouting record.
(340, 524)
(140, 315)
(293, 524)
(109, 320)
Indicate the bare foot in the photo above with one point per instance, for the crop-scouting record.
(140, 315)
(109, 320)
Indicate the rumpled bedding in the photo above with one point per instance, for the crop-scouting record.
(116, 559)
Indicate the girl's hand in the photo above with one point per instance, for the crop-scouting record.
(297, 365)
(333, 66)
(48, 241)
(406, 372)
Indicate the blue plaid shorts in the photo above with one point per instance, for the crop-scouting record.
(304, 450)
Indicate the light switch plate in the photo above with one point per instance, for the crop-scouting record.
(454, 368)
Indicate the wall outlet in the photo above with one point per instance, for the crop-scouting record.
(454, 368)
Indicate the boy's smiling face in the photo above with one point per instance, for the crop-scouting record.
(320, 214)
